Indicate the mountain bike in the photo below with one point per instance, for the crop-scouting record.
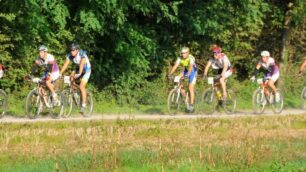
(40, 99)
(211, 100)
(72, 97)
(176, 100)
(263, 96)
(3, 103)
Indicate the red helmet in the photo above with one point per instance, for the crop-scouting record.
(216, 50)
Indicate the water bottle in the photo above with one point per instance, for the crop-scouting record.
(219, 95)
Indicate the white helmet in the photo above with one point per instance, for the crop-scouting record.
(265, 53)
(185, 50)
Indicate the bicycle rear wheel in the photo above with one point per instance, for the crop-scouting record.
(303, 98)
(67, 102)
(209, 101)
(3, 103)
(33, 104)
(278, 102)
(229, 104)
(258, 101)
(90, 104)
(174, 100)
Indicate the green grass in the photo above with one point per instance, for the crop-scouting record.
(240, 144)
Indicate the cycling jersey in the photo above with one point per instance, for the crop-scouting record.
(190, 60)
(77, 59)
(272, 70)
(270, 66)
(186, 62)
(52, 68)
(219, 63)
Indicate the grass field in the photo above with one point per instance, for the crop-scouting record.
(240, 144)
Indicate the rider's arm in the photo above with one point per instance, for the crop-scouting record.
(225, 65)
(174, 68)
(82, 63)
(65, 66)
(257, 69)
(303, 66)
(207, 68)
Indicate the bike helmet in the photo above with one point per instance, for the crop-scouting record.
(216, 49)
(42, 48)
(265, 53)
(74, 46)
(185, 50)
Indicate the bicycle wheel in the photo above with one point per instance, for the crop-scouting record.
(258, 101)
(303, 98)
(3, 103)
(209, 101)
(174, 101)
(278, 102)
(89, 104)
(33, 104)
(56, 110)
(67, 102)
(229, 104)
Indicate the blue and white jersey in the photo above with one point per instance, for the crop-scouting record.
(77, 60)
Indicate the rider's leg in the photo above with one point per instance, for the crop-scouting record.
(191, 90)
(50, 86)
(271, 85)
(83, 92)
(223, 85)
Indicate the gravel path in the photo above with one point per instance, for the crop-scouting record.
(95, 117)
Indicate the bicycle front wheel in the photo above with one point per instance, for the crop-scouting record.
(278, 102)
(174, 100)
(258, 101)
(209, 101)
(3, 103)
(67, 103)
(303, 98)
(33, 104)
(229, 104)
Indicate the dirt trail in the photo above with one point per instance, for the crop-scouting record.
(95, 117)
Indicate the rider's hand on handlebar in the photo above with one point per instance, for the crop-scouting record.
(253, 78)
(77, 75)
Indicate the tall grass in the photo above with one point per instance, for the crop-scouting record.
(240, 144)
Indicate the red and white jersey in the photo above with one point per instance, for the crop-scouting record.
(219, 63)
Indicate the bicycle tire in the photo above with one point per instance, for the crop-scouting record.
(90, 104)
(303, 98)
(278, 105)
(67, 102)
(258, 101)
(229, 104)
(209, 101)
(32, 104)
(173, 102)
(3, 103)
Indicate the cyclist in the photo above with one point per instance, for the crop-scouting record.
(302, 67)
(221, 63)
(82, 69)
(1, 70)
(51, 70)
(271, 71)
(190, 70)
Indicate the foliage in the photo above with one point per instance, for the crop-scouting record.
(130, 43)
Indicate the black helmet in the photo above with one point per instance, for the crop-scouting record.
(74, 46)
